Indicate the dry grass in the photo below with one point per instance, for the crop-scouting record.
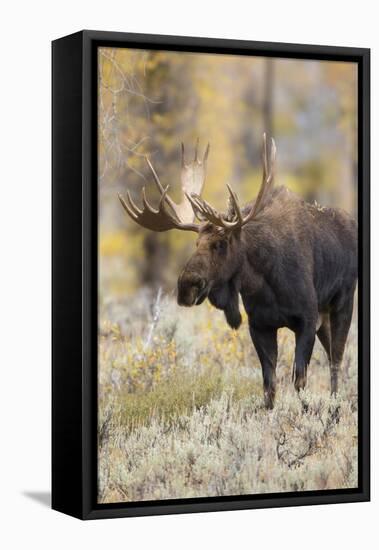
(183, 416)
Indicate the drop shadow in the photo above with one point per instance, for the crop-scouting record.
(42, 497)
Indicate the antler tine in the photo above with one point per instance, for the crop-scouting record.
(132, 205)
(146, 204)
(196, 154)
(264, 157)
(268, 166)
(155, 175)
(267, 181)
(131, 213)
(163, 197)
(197, 204)
(196, 149)
(205, 157)
(160, 187)
(235, 203)
(207, 208)
(272, 160)
(196, 208)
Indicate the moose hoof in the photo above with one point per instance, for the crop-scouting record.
(333, 388)
(269, 398)
(300, 383)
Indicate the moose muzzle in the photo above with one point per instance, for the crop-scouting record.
(192, 289)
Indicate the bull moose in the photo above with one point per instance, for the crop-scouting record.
(293, 263)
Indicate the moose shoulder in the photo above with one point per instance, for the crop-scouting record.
(294, 265)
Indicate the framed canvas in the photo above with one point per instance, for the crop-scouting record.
(210, 300)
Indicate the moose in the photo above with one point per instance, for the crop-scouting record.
(293, 263)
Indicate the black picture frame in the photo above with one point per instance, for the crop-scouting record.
(74, 272)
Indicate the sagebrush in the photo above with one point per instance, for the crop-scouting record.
(181, 412)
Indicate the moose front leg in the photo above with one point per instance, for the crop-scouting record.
(266, 345)
(305, 339)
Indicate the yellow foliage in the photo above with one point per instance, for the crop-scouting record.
(113, 244)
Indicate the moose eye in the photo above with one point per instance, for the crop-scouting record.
(220, 246)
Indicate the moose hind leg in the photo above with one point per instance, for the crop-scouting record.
(305, 339)
(266, 345)
(340, 321)
(324, 335)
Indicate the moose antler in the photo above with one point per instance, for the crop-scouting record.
(170, 215)
(206, 212)
(268, 177)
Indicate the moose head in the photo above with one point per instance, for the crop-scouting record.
(212, 269)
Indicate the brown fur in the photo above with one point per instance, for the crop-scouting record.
(290, 264)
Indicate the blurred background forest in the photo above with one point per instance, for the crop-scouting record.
(151, 101)
(180, 393)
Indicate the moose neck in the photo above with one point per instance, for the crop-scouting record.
(254, 254)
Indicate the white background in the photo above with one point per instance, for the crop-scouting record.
(26, 31)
